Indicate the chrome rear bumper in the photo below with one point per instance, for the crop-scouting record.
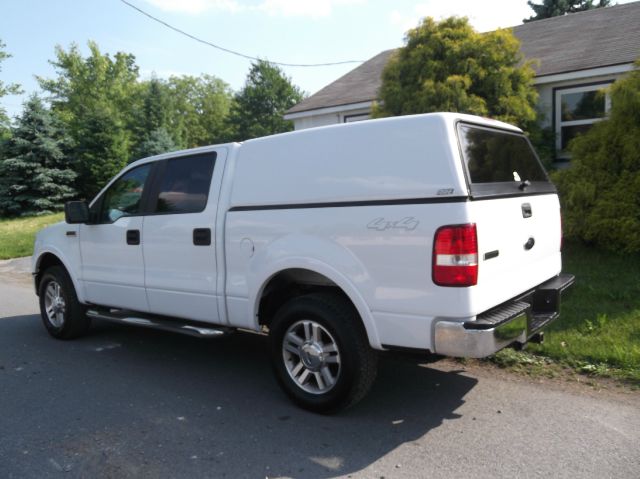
(513, 322)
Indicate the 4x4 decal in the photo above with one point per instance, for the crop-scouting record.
(382, 224)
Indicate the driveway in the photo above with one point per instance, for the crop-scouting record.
(124, 402)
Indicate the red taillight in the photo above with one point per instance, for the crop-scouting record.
(455, 256)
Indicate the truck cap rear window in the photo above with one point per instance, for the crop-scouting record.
(500, 162)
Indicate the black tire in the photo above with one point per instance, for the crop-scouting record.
(340, 325)
(72, 321)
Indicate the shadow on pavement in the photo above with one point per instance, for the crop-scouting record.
(125, 401)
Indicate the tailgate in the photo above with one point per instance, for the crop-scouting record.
(518, 246)
(516, 211)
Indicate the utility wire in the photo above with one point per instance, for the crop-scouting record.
(248, 57)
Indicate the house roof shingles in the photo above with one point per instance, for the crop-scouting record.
(579, 41)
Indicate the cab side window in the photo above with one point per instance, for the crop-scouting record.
(124, 196)
(184, 187)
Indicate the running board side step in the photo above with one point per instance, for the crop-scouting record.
(174, 325)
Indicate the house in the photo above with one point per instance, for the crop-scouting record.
(578, 55)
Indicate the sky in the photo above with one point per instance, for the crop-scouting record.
(289, 31)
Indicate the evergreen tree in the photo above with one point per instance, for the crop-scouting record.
(157, 141)
(554, 8)
(448, 66)
(152, 120)
(155, 106)
(102, 147)
(36, 177)
(260, 105)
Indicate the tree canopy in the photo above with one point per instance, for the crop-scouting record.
(259, 107)
(94, 96)
(114, 118)
(198, 108)
(448, 66)
(5, 89)
(554, 8)
(108, 117)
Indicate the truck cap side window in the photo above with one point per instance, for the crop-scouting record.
(500, 162)
(124, 196)
(184, 187)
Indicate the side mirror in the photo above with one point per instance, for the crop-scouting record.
(76, 212)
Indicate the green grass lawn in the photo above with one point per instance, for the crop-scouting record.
(18, 234)
(599, 327)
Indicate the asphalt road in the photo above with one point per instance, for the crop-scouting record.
(125, 402)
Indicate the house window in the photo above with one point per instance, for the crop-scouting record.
(358, 117)
(576, 110)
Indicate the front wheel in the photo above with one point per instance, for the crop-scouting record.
(62, 314)
(320, 352)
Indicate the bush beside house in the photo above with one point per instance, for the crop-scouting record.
(600, 193)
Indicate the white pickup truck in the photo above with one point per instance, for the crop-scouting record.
(437, 233)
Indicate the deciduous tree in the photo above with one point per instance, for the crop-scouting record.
(96, 98)
(198, 110)
(448, 66)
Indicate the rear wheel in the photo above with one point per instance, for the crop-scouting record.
(62, 314)
(320, 352)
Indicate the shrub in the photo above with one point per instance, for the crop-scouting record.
(600, 192)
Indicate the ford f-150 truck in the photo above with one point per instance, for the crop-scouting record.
(437, 233)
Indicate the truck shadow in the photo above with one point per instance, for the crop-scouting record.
(153, 404)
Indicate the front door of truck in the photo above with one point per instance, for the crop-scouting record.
(111, 246)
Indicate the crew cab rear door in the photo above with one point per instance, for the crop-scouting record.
(179, 237)
(516, 211)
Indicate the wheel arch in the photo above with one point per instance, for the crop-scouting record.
(297, 276)
(49, 258)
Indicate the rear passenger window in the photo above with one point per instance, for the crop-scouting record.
(185, 184)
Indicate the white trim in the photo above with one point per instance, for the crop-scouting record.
(355, 117)
(590, 121)
(328, 110)
(577, 75)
